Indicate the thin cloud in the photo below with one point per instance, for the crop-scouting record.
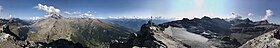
(235, 16)
(76, 12)
(67, 13)
(35, 18)
(250, 14)
(82, 14)
(1, 8)
(11, 16)
(72, 13)
(86, 14)
(47, 9)
(268, 14)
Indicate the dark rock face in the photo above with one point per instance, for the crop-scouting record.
(231, 41)
(23, 32)
(62, 43)
(5, 29)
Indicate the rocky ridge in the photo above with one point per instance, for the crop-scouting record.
(267, 40)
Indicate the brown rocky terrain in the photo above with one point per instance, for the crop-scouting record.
(267, 40)
(57, 31)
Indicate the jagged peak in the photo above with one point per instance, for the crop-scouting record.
(263, 22)
(205, 17)
(185, 19)
(195, 19)
(266, 40)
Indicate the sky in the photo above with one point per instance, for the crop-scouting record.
(254, 9)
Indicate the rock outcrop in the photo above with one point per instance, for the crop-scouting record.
(268, 40)
(6, 34)
(134, 24)
(151, 36)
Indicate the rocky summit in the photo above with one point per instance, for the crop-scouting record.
(267, 40)
(150, 36)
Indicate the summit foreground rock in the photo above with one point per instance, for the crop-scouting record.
(267, 40)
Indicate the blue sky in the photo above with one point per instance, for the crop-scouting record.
(146, 8)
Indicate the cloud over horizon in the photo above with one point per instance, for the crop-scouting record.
(47, 9)
(81, 14)
(72, 13)
(235, 16)
(1, 8)
(35, 18)
(250, 14)
(269, 13)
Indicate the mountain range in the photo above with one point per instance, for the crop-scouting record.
(61, 32)
(206, 33)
